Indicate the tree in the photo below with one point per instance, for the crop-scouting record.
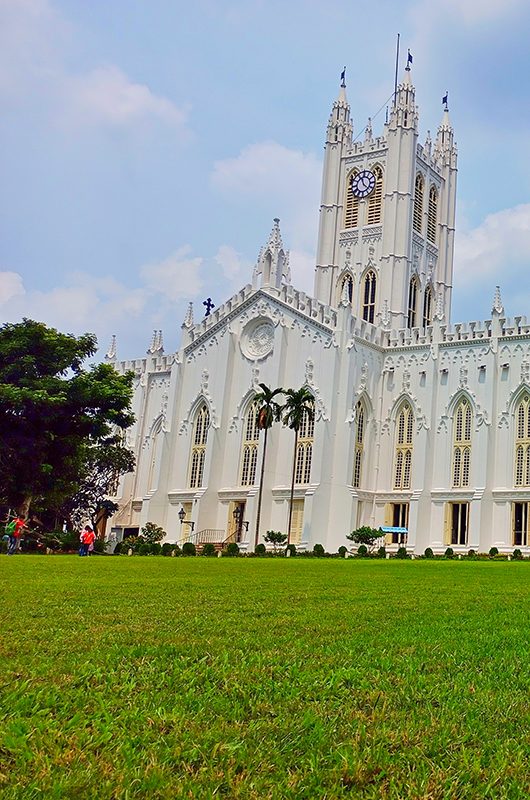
(101, 469)
(365, 536)
(298, 405)
(152, 533)
(52, 410)
(276, 538)
(269, 412)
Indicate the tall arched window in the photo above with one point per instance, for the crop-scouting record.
(427, 307)
(198, 447)
(417, 220)
(351, 211)
(462, 425)
(359, 445)
(375, 201)
(413, 301)
(403, 455)
(304, 450)
(155, 439)
(249, 450)
(522, 442)
(370, 282)
(432, 216)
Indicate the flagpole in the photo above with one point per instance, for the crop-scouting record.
(396, 73)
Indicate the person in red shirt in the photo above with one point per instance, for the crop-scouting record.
(88, 538)
(16, 528)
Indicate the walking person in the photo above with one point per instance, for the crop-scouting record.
(87, 538)
(14, 530)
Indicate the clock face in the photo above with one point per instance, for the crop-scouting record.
(363, 183)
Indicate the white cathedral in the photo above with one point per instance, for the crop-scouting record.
(421, 427)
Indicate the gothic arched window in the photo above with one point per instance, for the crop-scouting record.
(249, 450)
(370, 282)
(198, 446)
(522, 442)
(413, 301)
(462, 424)
(417, 220)
(432, 217)
(403, 454)
(375, 201)
(304, 449)
(359, 444)
(351, 212)
(427, 307)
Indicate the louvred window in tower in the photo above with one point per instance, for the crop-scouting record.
(403, 454)
(370, 282)
(413, 301)
(375, 200)
(432, 217)
(351, 214)
(418, 203)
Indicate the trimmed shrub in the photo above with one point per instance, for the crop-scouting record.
(208, 549)
(449, 553)
(362, 551)
(493, 552)
(318, 551)
(517, 555)
(291, 548)
(143, 549)
(156, 548)
(260, 549)
(176, 551)
(402, 552)
(167, 547)
(118, 548)
(471, 553)
(232, 550)
(100, 546)
(428, 553)
(188, 549)
(381, 552)
(342, 551)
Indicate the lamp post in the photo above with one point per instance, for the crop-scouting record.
(238, 516)
(183, 521)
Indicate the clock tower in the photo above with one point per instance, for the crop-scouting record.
(387, 216)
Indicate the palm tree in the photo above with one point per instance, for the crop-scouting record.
(299, 403)
(269, 412)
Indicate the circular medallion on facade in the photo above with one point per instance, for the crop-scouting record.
(257, 340)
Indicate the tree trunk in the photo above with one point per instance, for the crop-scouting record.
(23, 509)
(292, 489)
(260, 491)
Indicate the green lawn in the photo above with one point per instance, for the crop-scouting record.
(274, 678)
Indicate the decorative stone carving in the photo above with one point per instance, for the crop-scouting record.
(257, 339)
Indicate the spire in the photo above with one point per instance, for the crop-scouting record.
(188, 319)
(339, 125)
(498, 307)
(368, 133)
(156, 347)
(445, 145)
(404, 112)
(110, 355)
(273, 260)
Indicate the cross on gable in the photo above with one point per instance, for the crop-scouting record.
(209, 305)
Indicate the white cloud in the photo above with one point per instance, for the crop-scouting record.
(11, 285)
(230, 261)
(175, 277)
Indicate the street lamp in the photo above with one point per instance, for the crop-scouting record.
(183, 521)
(238, 516)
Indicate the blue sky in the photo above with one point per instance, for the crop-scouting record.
(148, 144)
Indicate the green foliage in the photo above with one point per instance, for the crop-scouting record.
(365, 535)
(143, 548)
(493, 552)
(99, 546)
(318, 551)
(342, 551)
(52, 411)
(381, 552)
(299, 405)
(291, 548)
(156, 549)
(517, 555)
(208, 549)
(176, 551)
(231, 550)
(449, 553)
(271, 409)
(151, 533)
(260, 549)
(471, 553)
(188, 549)
(118, 548)
(276, 538)
(402, 553)
(167, 547)
(428, 553)
(362, 550)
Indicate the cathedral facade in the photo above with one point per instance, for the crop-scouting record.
(420, 426)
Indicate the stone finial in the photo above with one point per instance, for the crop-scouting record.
(156, 345)
(110, 355)
(498, 307)
(368, 133)
(273, 260)
(188, 319)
